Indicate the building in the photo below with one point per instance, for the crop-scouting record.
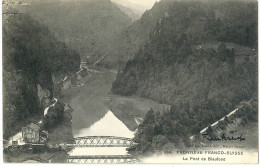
(31, 133)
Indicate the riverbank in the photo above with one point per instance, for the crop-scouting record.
(91, 101)
(58, 133)
(62, 132)
(19, 124)
(132, 110)
(19, 155)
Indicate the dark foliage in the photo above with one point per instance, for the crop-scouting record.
(54, 117)
(248, 110)
(184, 65)
(190, 20)
(88, 26)
(31, 54)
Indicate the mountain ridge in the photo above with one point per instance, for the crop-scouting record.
(134, 16)
(88, 26)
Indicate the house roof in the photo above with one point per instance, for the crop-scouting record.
(34, 127)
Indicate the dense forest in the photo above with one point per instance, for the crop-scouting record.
(127, 43)
(201, 59)
(164, 131)
(88, 26)
(217, 21)
(31, 55)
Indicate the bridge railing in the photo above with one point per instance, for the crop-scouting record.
(102, 141)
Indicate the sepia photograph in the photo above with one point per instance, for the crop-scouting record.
(130, 82)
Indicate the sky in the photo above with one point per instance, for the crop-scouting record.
(148, 3)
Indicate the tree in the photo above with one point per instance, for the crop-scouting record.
(222, 51)
(169, 147)
(149, 117)
(226, 120)
(54, 117)
(159, 141)
(244, 120)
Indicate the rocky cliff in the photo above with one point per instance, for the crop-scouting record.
(31, 54)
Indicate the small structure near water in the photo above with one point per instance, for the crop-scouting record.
(32, 134)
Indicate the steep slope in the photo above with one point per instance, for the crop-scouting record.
(138, 9)
(133, 37)
(31, 56)
(88, 26)
(186, 35)
(137, 34)
(199, 61)
(134, 16)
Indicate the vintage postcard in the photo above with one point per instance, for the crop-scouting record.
(130, 81)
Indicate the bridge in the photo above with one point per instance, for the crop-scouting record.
(101, 141)
(96, 141)
(99, 159)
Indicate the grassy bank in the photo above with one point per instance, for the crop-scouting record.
(131, 109)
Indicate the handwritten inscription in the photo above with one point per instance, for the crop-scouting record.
(224, 138)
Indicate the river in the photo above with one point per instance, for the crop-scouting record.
(96, 112)
(91, 117)
(108, 125)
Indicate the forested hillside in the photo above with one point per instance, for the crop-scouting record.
(137, 8)
(31, 55)
(218, 21)
(134, 16)
(88, 26)
(201, 59)
(133, 37)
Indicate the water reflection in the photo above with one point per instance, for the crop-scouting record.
(86, 114)
(109, 125)
(98, 151)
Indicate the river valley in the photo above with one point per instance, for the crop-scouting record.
(97, 112)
